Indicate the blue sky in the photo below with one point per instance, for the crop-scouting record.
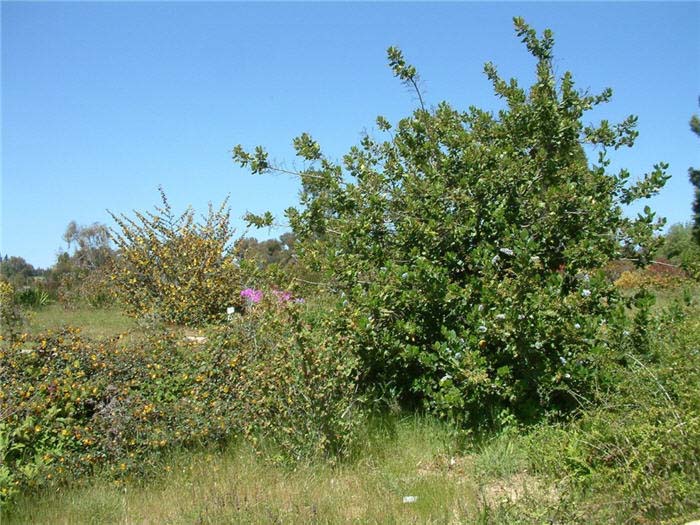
(104, 102)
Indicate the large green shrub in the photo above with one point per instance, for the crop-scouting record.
(465, 246)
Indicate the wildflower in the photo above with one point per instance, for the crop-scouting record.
(251, 295)
(282, 296)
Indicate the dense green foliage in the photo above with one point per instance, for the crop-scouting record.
(465, 247)
(694, 174)
(271, 251)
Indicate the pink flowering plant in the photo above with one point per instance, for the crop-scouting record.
(251, 295)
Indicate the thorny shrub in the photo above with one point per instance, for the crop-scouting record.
(174, 268)
(295, 382)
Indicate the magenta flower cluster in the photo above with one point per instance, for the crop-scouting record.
(282, 297)
(251, 295)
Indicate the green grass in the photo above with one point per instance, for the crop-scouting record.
(94, 322)
(408, 457)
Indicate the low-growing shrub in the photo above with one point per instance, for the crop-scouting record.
(70, 405)
(659, 275)
(638, 440)
(33, 297)
(92, 287)
(295, 380)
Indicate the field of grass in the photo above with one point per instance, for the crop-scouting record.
(95, 323)
(409, 456)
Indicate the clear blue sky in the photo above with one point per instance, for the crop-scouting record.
(103, 102)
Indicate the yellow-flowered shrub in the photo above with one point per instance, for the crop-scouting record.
(657, 276)
(174, 268)
(11, 318)
(70, 405)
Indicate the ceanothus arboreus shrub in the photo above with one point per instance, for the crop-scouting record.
(465, 247)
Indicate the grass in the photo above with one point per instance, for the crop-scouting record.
(96, 323)
(410, 456)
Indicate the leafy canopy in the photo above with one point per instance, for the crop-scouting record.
(694, 174)
(463, 246)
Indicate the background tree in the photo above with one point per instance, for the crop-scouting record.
(91, 245)
(18, 272)
(267, 252)
(695, 181)
(465, 246)
(80, 272)
(680, 248)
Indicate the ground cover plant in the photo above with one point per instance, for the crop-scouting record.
(69, 403)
